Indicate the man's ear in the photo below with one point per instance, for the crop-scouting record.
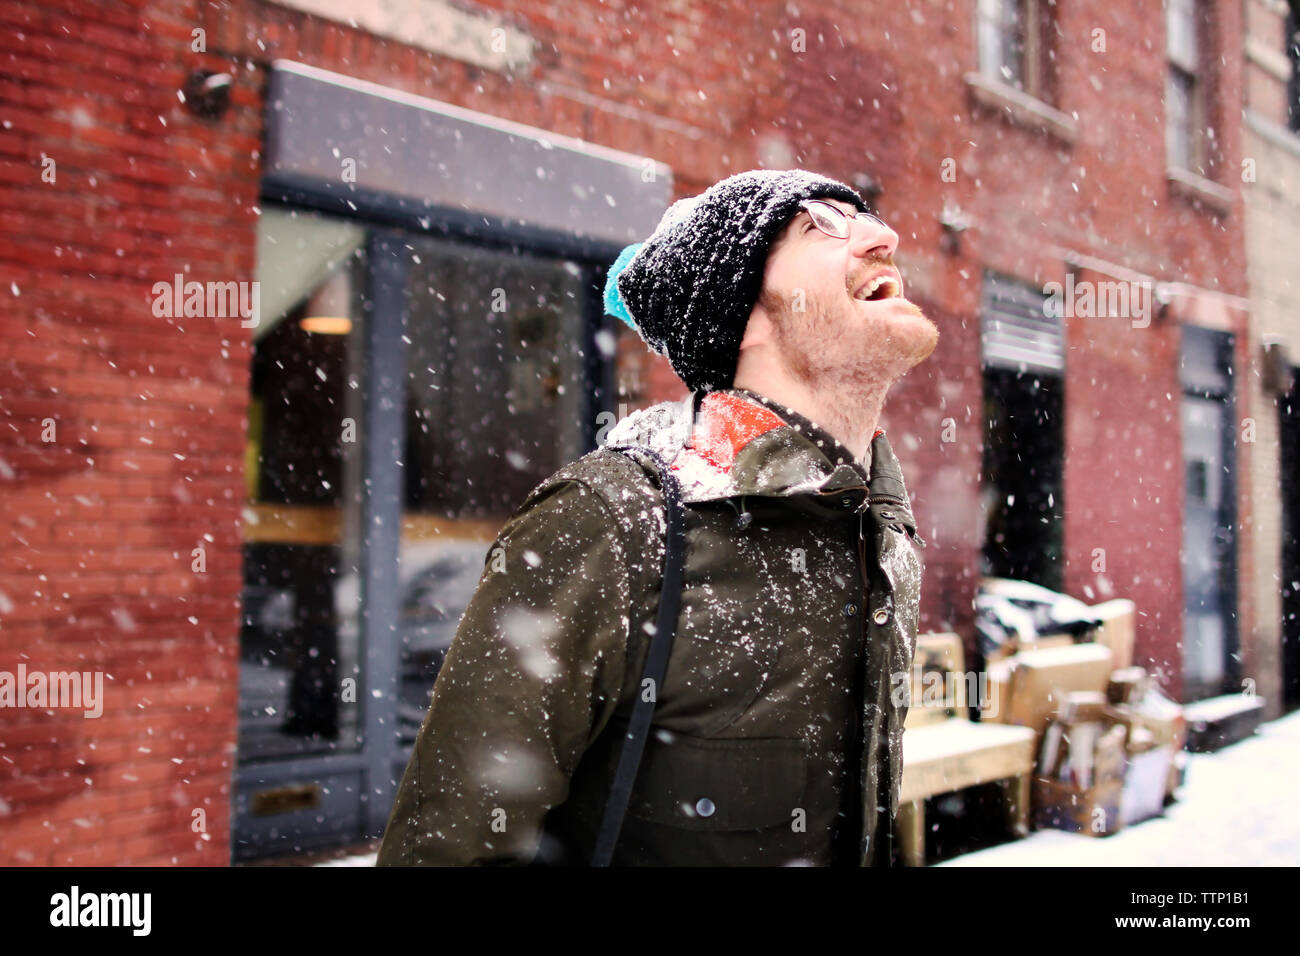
(758, 330)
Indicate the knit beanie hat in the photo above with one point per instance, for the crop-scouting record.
(688, 289)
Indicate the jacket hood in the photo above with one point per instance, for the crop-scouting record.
(734, 443)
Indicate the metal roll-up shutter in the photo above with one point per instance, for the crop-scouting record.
(1018, 330)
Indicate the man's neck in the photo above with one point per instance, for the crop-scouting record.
(849, 413)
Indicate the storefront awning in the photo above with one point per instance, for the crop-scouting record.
(344, 135)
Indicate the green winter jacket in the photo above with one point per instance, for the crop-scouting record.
(775, 717)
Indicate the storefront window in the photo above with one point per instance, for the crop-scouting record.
(494, 404)
(494, 401)
(300, 640)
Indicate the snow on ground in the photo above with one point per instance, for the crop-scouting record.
(1238, 807)
(361, 859)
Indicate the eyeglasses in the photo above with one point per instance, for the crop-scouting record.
(832, 220)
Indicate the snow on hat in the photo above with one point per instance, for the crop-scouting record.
(688, 289)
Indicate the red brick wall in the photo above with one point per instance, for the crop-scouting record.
(1124, 480)
(99, 525)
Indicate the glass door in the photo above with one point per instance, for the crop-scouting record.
(495, 401)
(1211, 656)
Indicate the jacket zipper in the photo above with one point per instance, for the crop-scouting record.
(862, 555)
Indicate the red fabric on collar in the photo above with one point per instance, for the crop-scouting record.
(728, 423)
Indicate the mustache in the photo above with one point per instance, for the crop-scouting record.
(869, 266)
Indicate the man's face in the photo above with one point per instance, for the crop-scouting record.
(814, 292)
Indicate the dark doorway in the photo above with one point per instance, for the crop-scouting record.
(1024, 448)
(1289, 427)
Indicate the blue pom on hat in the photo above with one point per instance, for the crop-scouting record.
(614, 304)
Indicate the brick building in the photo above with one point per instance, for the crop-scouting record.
(1271, 192)
(206, 496)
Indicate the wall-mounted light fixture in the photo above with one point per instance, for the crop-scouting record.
(1162, 296)
(954, 223)
(1275, 365)
(207, 94)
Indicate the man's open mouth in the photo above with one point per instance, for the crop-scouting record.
(879, 288)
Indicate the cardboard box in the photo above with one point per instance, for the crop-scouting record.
(1042, 679)
(1045, 641)
(1156, 714)
(1145, 784)
(1081, 776)
(1112, 756)
(1177, 775)
(1013, 646)
(1126, 685)
(1049, 754)
(999, 691)
(1094, 811)
(1083, 705)
(1140, 740)
(1118, 629)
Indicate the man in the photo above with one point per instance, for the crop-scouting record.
(775, 739)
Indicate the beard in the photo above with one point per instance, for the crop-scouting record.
(832, 342)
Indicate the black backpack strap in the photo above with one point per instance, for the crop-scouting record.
(656, 664)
